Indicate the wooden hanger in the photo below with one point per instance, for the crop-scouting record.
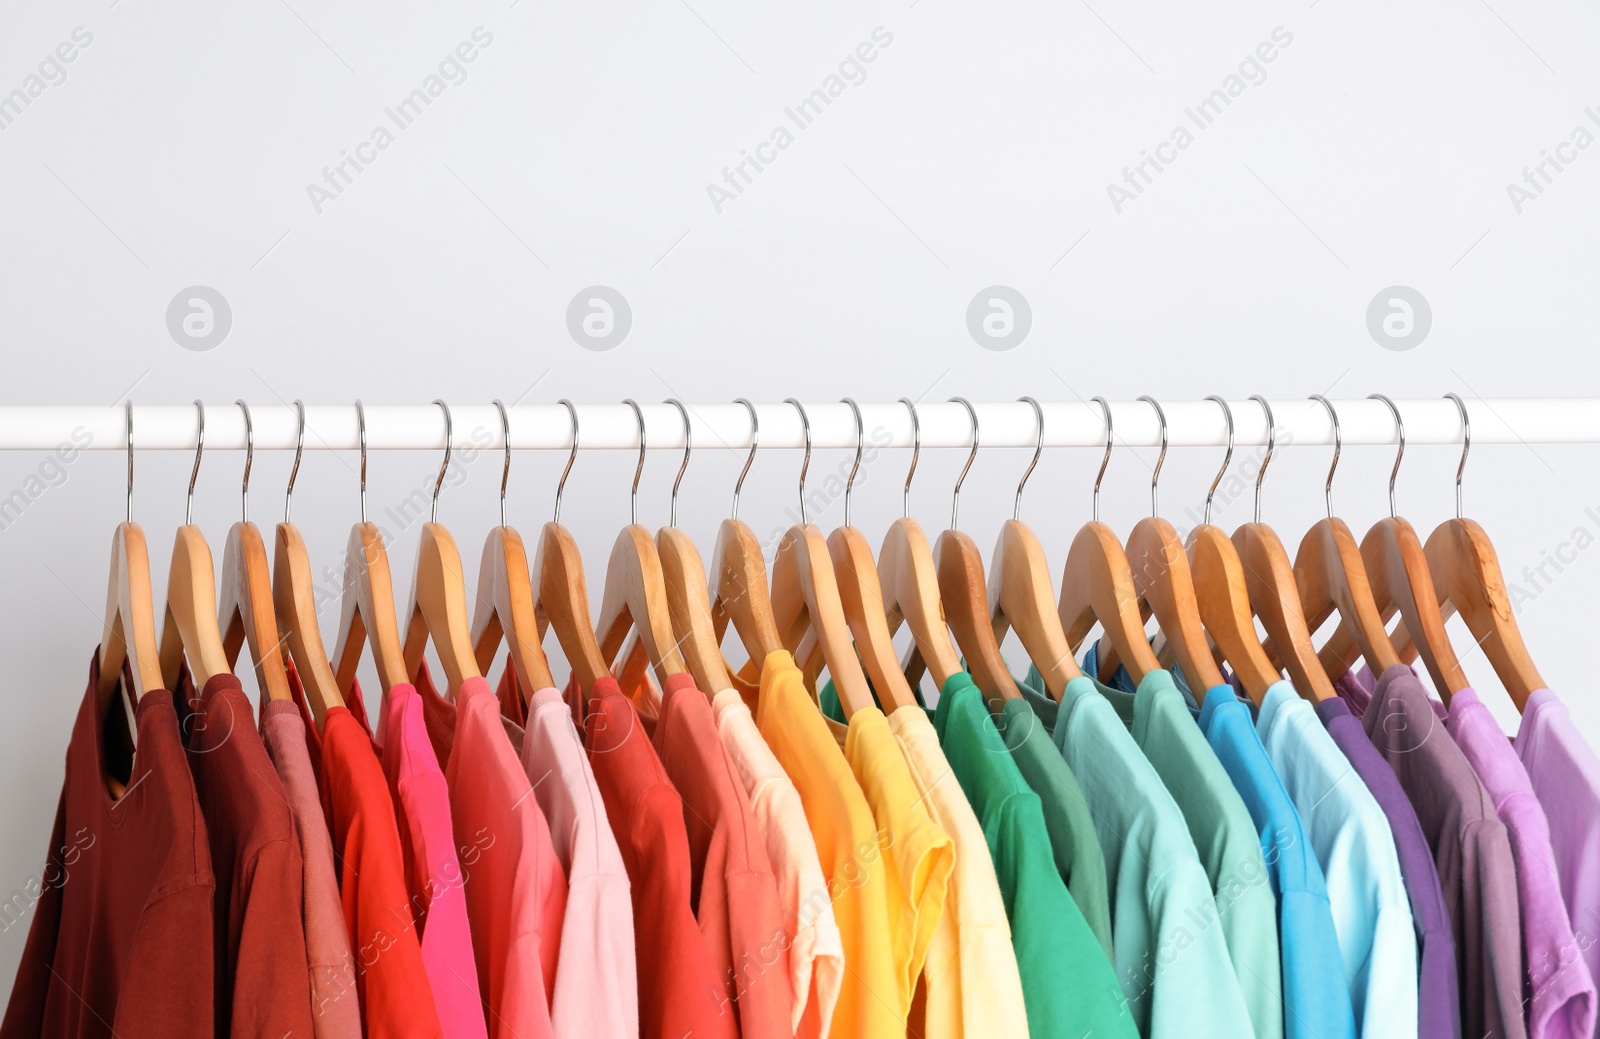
(366, 610)
(1466, 576)
(965, 594)
(1273, 594)
(909, 581)
(1097, 585)
(505, 596)
(805, 599)
(1020, 593)
(1398, 571)
(635, 595)
(189, 629)
(295, 601)
(739, 573)
(247, 613)
(129, 635)
(1331, 576)
(688, 597)
(561, 596)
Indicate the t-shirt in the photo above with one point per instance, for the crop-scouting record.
(1048, 933)
(732, 887)
(516, 891)
(1438, 1000)
(1312, 1009)
(973, 986)
(1350, 836)
(1565, 774)
(816, 952)
(1470, 846)
(335, 1011)
(680, 992)
(120, 942)
(1561, 1002)
(1224, 834)
(848, 847)
(433, 869)
(597, 983)
(259, 936)
(1073, 843)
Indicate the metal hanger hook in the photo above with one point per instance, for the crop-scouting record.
(1466, 445)
(449, 444)
(1155, 474)
(916, 452)
(127, 410)
(361, 430)
(1338, 445)
(199, 449)
(1105, 459)
(1272, 437)
(1227, 414)
(1400, 434)
(755, 442)
(955, 495)
(861, 442)
(1038, 449)
(805, 463)
(572, 456)
(505, 468)
(299, 449)
(688, 446)
(249, 459)
(638, 470)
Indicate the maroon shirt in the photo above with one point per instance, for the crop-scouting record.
(120, 943)
(262, 986)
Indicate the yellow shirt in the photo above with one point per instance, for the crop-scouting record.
(870, 1003)
(973, 986)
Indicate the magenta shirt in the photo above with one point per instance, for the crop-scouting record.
(1560, 990)
(433, 872)
(1565, 775)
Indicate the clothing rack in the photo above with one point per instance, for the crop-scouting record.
(943, 424)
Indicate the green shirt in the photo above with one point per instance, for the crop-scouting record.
(1068, 986)
(1073, 842)
(1224, 836)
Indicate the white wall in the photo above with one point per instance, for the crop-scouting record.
(976, 151)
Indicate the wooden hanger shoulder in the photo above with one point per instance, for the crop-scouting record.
(247, 612)
(1161, 574)
(635, 597)
(129, 635)
(805, 595)
(1275, 598)
(189, 629)
(366, 612)
(739, 580)
(964, 592)
(1097, 585)
(910, 584)
(1397, 568)
(562, 602)
(438, 610)
(862, 598)
(294, 598)
(689, 608)
(1020, 599)
(505, 608)
(1330, 573)
(1223, 597)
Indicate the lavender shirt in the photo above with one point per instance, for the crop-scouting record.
(1559, 989)
(1471, 848)
(1565, 774)
(1438, 1000)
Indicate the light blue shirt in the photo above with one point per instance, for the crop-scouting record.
(1353, 843)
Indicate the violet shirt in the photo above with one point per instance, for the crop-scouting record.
(1471, 848)
(1561, 995)
(1565, 775)
(1438, 999)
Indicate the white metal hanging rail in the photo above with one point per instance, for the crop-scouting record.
(1495, 420)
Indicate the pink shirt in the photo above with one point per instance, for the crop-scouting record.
(516, 891)
(433, 873)
(596, 990)
(1561, 999)
(1565, 774)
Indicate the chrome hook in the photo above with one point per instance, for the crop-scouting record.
(955, 495)
(916, 451)
(755, 442)
(505, 468)
(299, 448)
(1105, 459)
(127, 408)
(199, 448)
(249, 459)
(805, 425)
(572, 413)
(1466, 445)
(638, 470)
(1338, 446)
(861, 440)
(1227, 414)
(1400, 433)
(688, 446)
(449, 443)
(1272, 437)
(361, 428)
(1155, 474)
(1038, 449)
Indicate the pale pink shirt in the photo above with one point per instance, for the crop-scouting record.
(433, 871)
(597, 989)
(816, 951)
(336, 1012)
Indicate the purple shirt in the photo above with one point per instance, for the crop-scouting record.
(1565, 774)
(1470, 848)
(1560, 992)
(1438, 1000)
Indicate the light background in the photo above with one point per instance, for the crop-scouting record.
(975, 152)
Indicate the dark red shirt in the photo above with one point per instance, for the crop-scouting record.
(121, 939)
